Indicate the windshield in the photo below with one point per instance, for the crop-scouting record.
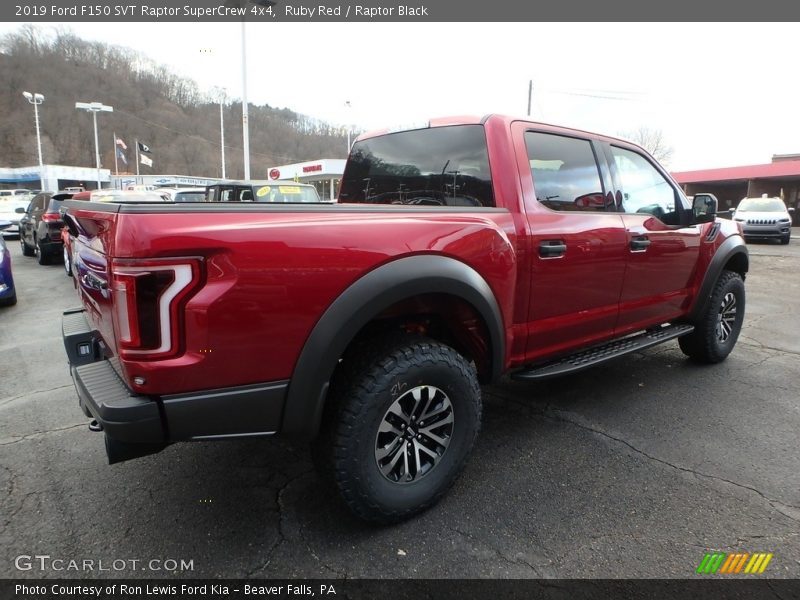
(762, 205)
(440, 166)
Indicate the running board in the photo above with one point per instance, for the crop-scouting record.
(599, 354)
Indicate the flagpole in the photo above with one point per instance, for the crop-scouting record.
(137, 158)
(116, 165)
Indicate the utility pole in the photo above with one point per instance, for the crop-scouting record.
(245, 124)
(530, 95)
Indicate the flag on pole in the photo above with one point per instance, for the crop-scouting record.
(146, 160)
(121, 156)
(144, 147)
(120, 143)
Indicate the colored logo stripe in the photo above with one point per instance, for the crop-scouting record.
(724, 563)
(711, 562)
(758, 563)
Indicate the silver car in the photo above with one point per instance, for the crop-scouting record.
(8, 211)
(765, 218)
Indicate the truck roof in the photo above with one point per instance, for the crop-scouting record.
(482, 120)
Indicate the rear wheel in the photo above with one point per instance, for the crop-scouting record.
(42, 256)
(400, 427)
(26, 250)
(718, 329)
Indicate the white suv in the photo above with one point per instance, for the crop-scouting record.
(765, 217)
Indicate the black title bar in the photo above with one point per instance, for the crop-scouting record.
(410, 11)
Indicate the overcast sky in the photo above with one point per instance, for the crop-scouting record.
(722, 94)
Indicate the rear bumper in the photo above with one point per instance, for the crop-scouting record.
(132, 424)
(148, 423)
(123, 416)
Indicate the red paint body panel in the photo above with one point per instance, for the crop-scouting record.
(269, 276)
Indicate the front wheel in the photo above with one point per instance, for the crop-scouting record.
(67, 261)
(400, 428)
(718, 329)
(785, 239)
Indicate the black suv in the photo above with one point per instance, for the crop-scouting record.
(40, 228)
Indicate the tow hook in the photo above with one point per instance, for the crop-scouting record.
(95, 426)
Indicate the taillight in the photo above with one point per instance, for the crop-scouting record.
(148, 297)
(51, 217)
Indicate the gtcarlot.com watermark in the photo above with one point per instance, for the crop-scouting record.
(47, 563)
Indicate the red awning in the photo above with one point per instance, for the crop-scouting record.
(787, 168)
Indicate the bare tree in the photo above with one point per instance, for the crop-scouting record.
(151, 103)
(651, 140)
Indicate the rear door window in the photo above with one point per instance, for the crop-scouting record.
(565, 173)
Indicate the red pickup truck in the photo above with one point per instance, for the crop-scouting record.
(457, 253)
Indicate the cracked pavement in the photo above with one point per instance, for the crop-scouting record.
(632, 469)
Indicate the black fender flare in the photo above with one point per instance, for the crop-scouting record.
(361, 302)
(728, 249)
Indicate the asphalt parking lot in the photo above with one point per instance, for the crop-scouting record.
(633, 469)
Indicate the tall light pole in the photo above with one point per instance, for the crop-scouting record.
(245, 124)
(223, 96)
(94, 108)
(36, 100)
(348, 105)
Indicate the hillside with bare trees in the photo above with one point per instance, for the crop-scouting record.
(169, 112)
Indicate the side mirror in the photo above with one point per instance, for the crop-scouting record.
(20, 210)
(704, 208)
(594, 200)
(791, 210)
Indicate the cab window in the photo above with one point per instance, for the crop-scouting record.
(644, 188)
(565, 173)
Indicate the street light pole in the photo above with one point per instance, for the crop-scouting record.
(94, 108)
(245, 124)
(36, 100)
(223, 96)
(347, 104)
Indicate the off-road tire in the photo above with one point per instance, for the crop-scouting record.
(710, 342)
(378, 376)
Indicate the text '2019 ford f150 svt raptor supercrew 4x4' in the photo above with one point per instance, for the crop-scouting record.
(456, 253)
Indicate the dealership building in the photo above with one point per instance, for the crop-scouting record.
(324, 174)
(780, 178)
(53, 177)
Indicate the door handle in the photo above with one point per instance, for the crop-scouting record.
(639, 243)
(552, 248)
